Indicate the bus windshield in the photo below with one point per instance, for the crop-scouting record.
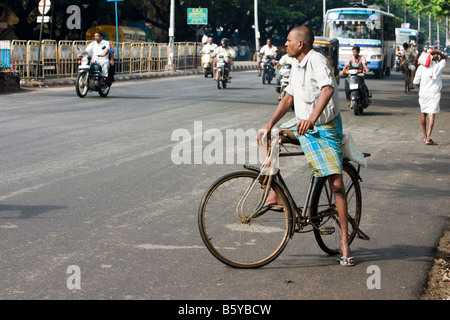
(402, 37)
(354, 29)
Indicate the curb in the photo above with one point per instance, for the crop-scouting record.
(61, 82)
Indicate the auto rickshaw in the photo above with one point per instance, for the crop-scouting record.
(329, 47)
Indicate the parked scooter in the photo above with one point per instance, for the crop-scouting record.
(356, 92)
(267, 69)
(89, 78)
(285, 72)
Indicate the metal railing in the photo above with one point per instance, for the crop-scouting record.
(59, 59)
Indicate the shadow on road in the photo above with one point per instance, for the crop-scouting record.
(25, 212)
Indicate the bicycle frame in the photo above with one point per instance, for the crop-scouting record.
(303, 214)
(241, 230)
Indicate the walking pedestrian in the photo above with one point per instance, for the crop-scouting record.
(429, 81)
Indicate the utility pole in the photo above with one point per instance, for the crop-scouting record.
(429, 31)
(437, 32)
(256, 26)
(447, 43)
(171, 33)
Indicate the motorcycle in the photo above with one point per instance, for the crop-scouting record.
(89, 78)
(221, 70)
(267, 69)
(285, 72)
(357, 96)
(207, 63)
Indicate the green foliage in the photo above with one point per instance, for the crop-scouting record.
(435, 8)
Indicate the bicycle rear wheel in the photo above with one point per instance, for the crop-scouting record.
(408, 80)
(227, 229)
(324, 213)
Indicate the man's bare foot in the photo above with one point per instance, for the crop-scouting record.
(272, 199)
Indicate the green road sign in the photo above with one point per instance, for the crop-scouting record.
(197, 16)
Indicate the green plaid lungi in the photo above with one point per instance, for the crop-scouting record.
(322, 146)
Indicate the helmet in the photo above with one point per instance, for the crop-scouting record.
(225, 40)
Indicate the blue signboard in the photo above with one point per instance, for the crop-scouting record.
(114, 0)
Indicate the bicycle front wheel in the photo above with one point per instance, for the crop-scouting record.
(324, 213)
(233, 232)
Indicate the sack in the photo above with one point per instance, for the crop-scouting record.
(425, 59)
(351, 152)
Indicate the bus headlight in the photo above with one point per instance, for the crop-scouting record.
(375, 57)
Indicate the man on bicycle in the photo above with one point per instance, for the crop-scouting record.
(313, 91)
(410, 56)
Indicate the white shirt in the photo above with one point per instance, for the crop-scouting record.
(286, 59)
(305, 83)
(430, 79)
(268, 51)
(96, 49)
(207, 48)
(228, 52)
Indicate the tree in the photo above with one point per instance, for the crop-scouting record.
(434, 8)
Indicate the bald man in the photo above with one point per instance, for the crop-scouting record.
(317, 125)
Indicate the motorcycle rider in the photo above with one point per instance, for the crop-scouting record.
(210, 46)
(228, 53)
(99, 51)
(207, 51)
(285, 59)
(268, 50)
(112, 67)
(357, 61)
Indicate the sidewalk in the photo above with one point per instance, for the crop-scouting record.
(70, 81)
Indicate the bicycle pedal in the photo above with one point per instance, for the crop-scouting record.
(325, 231)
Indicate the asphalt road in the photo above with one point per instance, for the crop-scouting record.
(94, 206)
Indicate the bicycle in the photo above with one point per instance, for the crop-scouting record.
(241, 232)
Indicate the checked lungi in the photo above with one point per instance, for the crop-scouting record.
(322, 146)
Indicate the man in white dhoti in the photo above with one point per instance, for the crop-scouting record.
(429, 81)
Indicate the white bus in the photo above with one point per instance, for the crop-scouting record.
(367, 27)
(407, 35)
